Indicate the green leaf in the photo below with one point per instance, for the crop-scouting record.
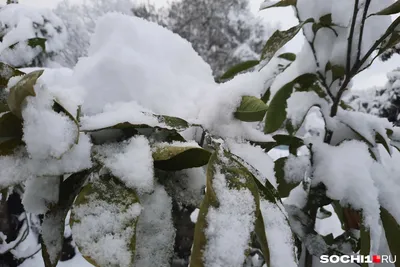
(381, 140)
(267, 146)
(390, 42)
(281, 3)
(266, 96)
(6, 72)
(105, 195)
(288, 56)
(23, 89)
(174, 122)
(251, 109)
(276, 114)
(365, 243)
(278, 40)
(284, 188)
(10, 133)
(390, 10)
(243, 66)
(174, 158)
(392, 233)
(33, 42)
(338, 72)
(326, 20)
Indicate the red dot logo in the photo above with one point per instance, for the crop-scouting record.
(376, 259)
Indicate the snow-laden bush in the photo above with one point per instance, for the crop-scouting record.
(29, 35)
(159, 165)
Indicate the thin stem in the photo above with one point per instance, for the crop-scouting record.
(350, 38)
(360, 38)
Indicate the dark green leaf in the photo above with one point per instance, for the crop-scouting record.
(276, 114)
(10, 133)
(174, 158)
(392, 233)
(34, 42)
(390, 10)
(243, 66)
(57, 107)
(365, 243)
(23, 89)
(278, 40)
(266, 96)
(251, 109)
(174, 122)
(326, 20)
(288, 56)
(284, 188)
(381, 140)
(282, 3)
(291, 141)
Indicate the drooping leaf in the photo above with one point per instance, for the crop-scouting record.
(392, 233)
(390, 10)
(57, 107)
(55, 217)
(6, 72)
(106, 195)
(23, 89)
(277, 3)
(243, 66)
(174, 158)
(381, 140)
(251, 109)
(278, 40)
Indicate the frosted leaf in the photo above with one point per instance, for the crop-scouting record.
(296, 168)
(103, 222)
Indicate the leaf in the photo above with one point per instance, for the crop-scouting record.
(288, 56)
(33, 42)
(276, 114)
(338, 72)
(390, 10)
(365, 242)
(105, 195)
(55, 217)
(23, 89)
(381, 140)
(175, 158)
(284, 188)
(6, 72)
(237, 177)
(57, 107)
(291, 141)
(251, 109)
(243, 66)
(279, 3)
(10, 133)
(267, 146)
(278, 40)
(392, 233)
(174, 122)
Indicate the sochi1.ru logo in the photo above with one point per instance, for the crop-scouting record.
(358, 259)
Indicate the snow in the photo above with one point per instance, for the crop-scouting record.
(228, 226)
(296, 168)
(13, 169)
(255, 156)
(40, 194)
(345, 170)
(20, 23)
(155, 232)
(133, 165)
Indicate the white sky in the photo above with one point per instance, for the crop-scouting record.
(374, 76)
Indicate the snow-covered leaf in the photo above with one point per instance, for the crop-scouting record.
(24, 88)
(278, 40)
(33, 42)
(172, 157)
(284, 188)
(243, 66)
(229, 209)
(338, 72)
(6, 72)
(251, 109)
(57, 107)
(390, 10)
(103, 222)
(276, 114)
(392, 233)
(291, 141)
(54, 220)
(277, 3)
